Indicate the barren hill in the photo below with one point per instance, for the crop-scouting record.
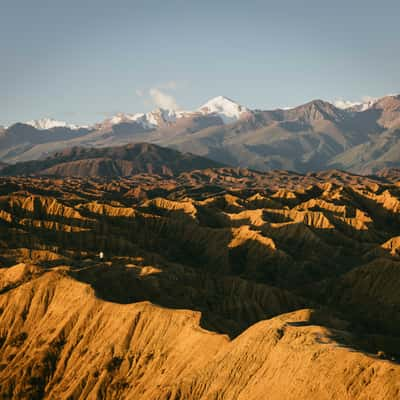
(216, 283)
(112, 162)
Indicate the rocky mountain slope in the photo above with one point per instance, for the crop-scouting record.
(216, 283)
(310, 137)
(112, 162)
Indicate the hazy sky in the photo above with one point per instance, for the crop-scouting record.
(84, 60)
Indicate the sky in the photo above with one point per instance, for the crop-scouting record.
(82, 61)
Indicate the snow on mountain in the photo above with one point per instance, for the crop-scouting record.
(119, 118)
(162, 115)
(357, 106)
(150, 120)
(366, 103)
(227, 109)
(48, 123)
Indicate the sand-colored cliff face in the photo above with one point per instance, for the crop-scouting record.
(229, 290)
(61, 341)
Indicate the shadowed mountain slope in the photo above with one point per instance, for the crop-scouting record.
(313, 136)
(112, 162)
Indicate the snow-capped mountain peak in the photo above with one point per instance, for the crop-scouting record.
(227, 109)
(162, 115)
(357, 106)
(149, 120)
(49, 123)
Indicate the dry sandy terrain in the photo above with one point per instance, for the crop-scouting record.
(216, 284)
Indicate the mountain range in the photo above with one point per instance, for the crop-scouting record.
(362, 138)
(112, 162)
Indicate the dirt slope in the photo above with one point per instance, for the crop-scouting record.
(60, 341)
(216, 284)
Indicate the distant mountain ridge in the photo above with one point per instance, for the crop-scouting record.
(226, 109)
(361, 138)
(112, 162)
(49, 123)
